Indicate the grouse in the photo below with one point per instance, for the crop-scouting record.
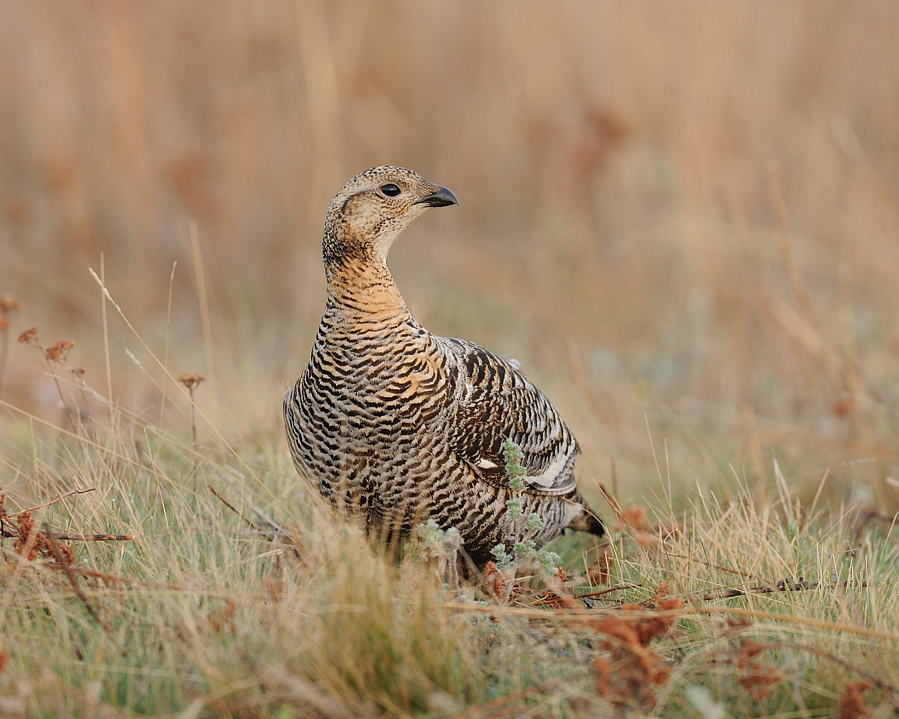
(397, 426)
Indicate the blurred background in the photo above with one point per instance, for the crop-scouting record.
(681, 217)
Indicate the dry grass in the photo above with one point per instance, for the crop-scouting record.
(686, 213)
(682, 219)
(239, 596)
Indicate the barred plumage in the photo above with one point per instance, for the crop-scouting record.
(397, 425)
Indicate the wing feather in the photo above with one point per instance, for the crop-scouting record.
(496, 402)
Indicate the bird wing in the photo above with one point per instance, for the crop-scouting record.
(495, 403)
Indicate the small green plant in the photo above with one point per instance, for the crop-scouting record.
(441, 545)
(512, 455)
(521, 533)
(503, 559)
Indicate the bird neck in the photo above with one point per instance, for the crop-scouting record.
(364, 287)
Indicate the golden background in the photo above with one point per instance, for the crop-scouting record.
(681, 217)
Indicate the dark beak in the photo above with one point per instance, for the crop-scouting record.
(441, 198)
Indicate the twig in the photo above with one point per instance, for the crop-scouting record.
(616, 588)
(232, 508)
(782, 586)
(53, 501)
(95, 537)
(590, 616)
(610, 498)
(278, 531)
(61, 560)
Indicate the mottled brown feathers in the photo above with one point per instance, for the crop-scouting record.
(396, 425)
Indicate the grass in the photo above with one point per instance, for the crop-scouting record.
(682, 220)
(240, 596)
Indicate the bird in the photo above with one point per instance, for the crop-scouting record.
(396, 426)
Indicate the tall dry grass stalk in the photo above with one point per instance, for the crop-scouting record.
(681, 219)
(689, 213)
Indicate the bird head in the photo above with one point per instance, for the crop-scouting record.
(371, 210)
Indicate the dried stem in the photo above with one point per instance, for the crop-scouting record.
(95, 537)
(4, 353)
(193, 416)
(66, 567)
(782, 586)
(52, 501)
(192, 380)
(616, 588)
(232, 508)
(585, 616)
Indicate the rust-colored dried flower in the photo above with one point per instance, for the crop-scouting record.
(59, 351)
(749, 650)
(8, 303)
(494, 582)
(36, 542)
(635, 518)
(223, 619)
(600, 572)
(26, 529)
(29, 336)
(191, 380)
(760, 679)
(852, 703)
(638, 669)
(557, 600)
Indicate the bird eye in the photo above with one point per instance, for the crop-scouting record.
(390, 189)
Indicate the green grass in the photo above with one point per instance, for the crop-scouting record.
(214, 617)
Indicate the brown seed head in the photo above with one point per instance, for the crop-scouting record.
(191, 380)
(852, 704)
(8, 303)
(59, 351)
(494, 583)
(760, 679)
(29, 336)
(634, 518)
